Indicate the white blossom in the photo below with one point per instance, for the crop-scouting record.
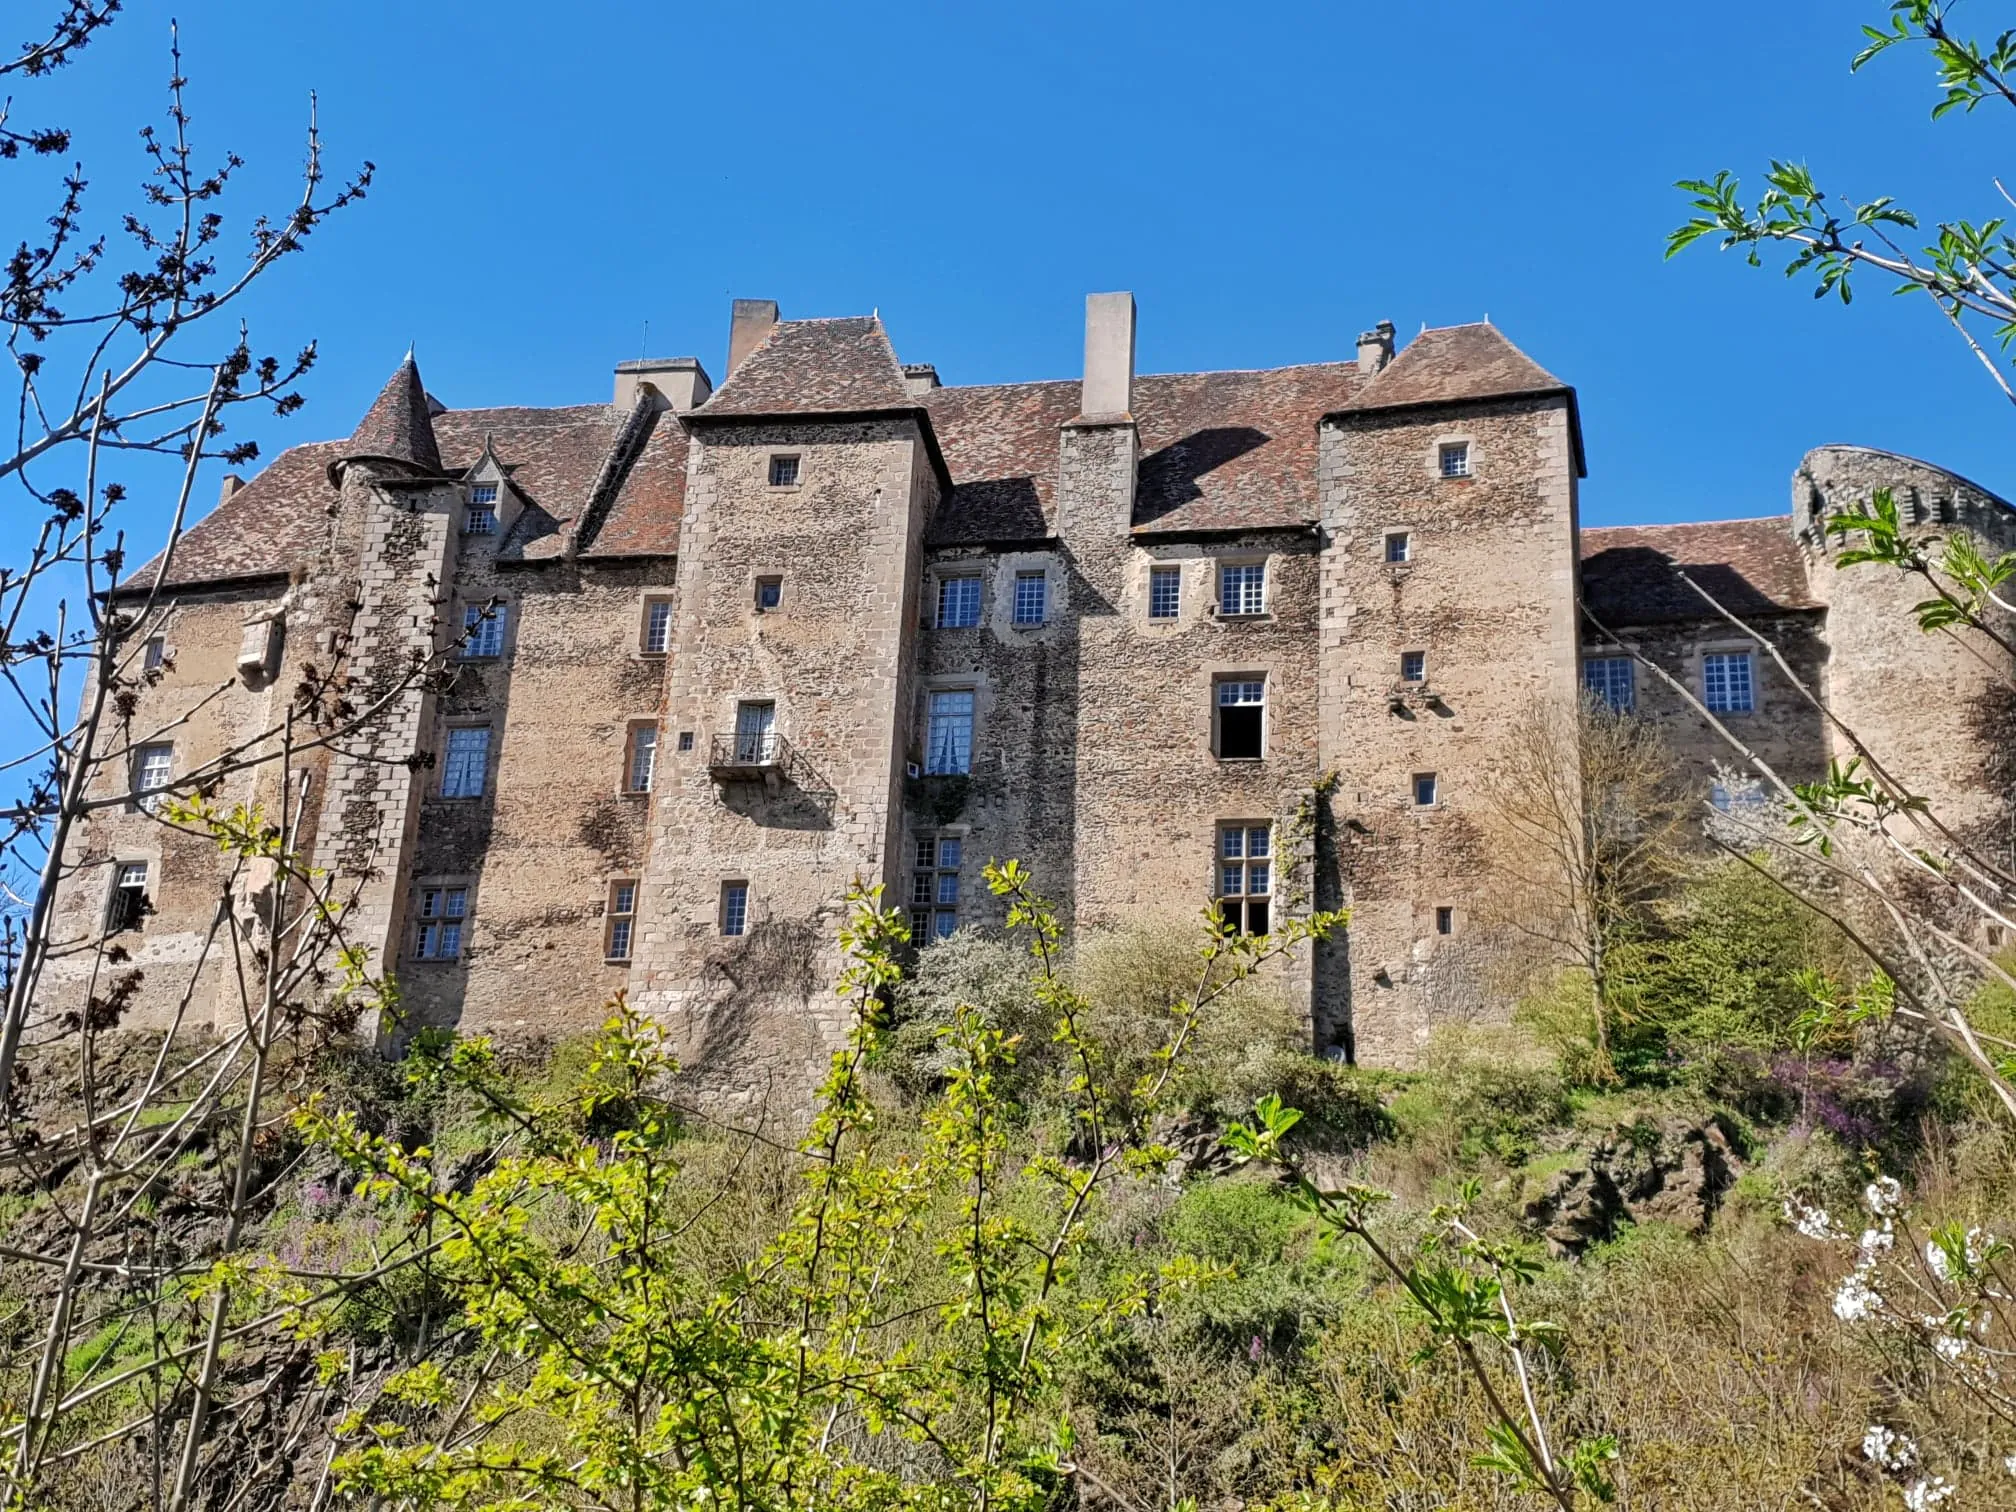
(1888, 1448)
(2009, 1463)
(1883, 1196)
(1921, 1494)
(1856, 1299)
(1948, 1347)
(1810, 1220)
(1874, 1240)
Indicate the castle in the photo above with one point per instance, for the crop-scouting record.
(717, 652)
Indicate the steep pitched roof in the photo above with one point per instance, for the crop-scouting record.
(814, 367)
(1752, 567)
(1219, 451)
(1451, 364)
(397, 427)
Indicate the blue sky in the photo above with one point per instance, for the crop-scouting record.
(1267, 179)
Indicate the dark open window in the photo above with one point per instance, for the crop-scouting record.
(1241, 707)
(128, 904)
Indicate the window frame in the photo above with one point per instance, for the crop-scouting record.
(777, 459)
(1165, 572)
(769, 583)
(1219, 703)
(1040, 578)
(652, 603)
(127, 905)
(733, 909)
(1404, 539)
(931, 696)
(459, 920)
(616, 917)
(1605, 691)
(1244, 565)
(1228, 857)
(448, 767)
(1458, 451)
(1732, 654)
(144, 792)
(934, 916)
(1434, 784)
(945, 582)
(482, 625)
(641, 740)
(1445, 919)
(1418, 660)
(482, 506)
(153, 652)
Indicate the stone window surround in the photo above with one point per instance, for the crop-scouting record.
(631, 727)
(961, 832)
(1184, 600)
(962, 567)
(644, 602)
(757, 581)
(610, 915)
(773, 455)
(1236, 557)
(123, 857)
(720, 909)
(997, 597)
(1697, 663)
(504, 619)
(1386, 535)
(1414, 780)
(1448, 439)
(463, 880)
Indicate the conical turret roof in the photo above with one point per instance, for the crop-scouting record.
(397, 428)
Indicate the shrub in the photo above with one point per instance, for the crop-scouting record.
(1483, 1091)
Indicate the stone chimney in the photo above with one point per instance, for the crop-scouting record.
(1375, 348)
(750, 323)
(1109, 356)
(919, 378)
(680, 381)
(231, 484)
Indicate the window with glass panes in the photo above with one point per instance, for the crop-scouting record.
(1032, 598)
(1242, 718)
(734, 908)
(948, 733)
(1455, 459)
(153, 653)
(1165, 592)
(1726, 685)
(1245, 876)
(465, 767)
(642, 764)
(1413, 666)
(657, 626)
(1612, 679)
(481, 518)
(482, 631)
(128, 904)
(622, 920)
(443, 912)
(958, 602)
(934, 888)
(1242, 588)
(153, 769)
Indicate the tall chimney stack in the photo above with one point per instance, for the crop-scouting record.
(750, 324)
(1109, 355)
(1375, 348)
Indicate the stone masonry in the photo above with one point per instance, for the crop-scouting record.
(1240, 640)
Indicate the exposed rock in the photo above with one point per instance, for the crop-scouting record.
(1670, 1169)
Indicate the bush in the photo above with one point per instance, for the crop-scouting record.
(1483, 1091)
(1340, 1105)
(989, 974)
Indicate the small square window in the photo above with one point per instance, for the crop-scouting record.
(444, 911)
(1426, 790)
(1242, 588)
(1032, 597)
(784, 472)
(734, 908)
(959, 602)
(1454, 457)
(482, 632)
(481, 518)
(1399, 546)
(153, 653)
(657, 626)
(1413, 666)
(769, 592)
(621, 913)
(685, 740)
(1445, 921)
(1165, 592)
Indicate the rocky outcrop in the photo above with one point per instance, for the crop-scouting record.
(1654, 1169)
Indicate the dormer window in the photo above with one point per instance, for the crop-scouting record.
(482, 516)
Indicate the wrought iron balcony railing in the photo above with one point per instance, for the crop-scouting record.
(748, 757)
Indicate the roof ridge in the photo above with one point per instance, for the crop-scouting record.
(1696, 524)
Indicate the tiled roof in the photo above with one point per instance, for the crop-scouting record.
(1219, 451)
(1750, 566)
(396, 426)
(1453, 363)
(814, 367)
